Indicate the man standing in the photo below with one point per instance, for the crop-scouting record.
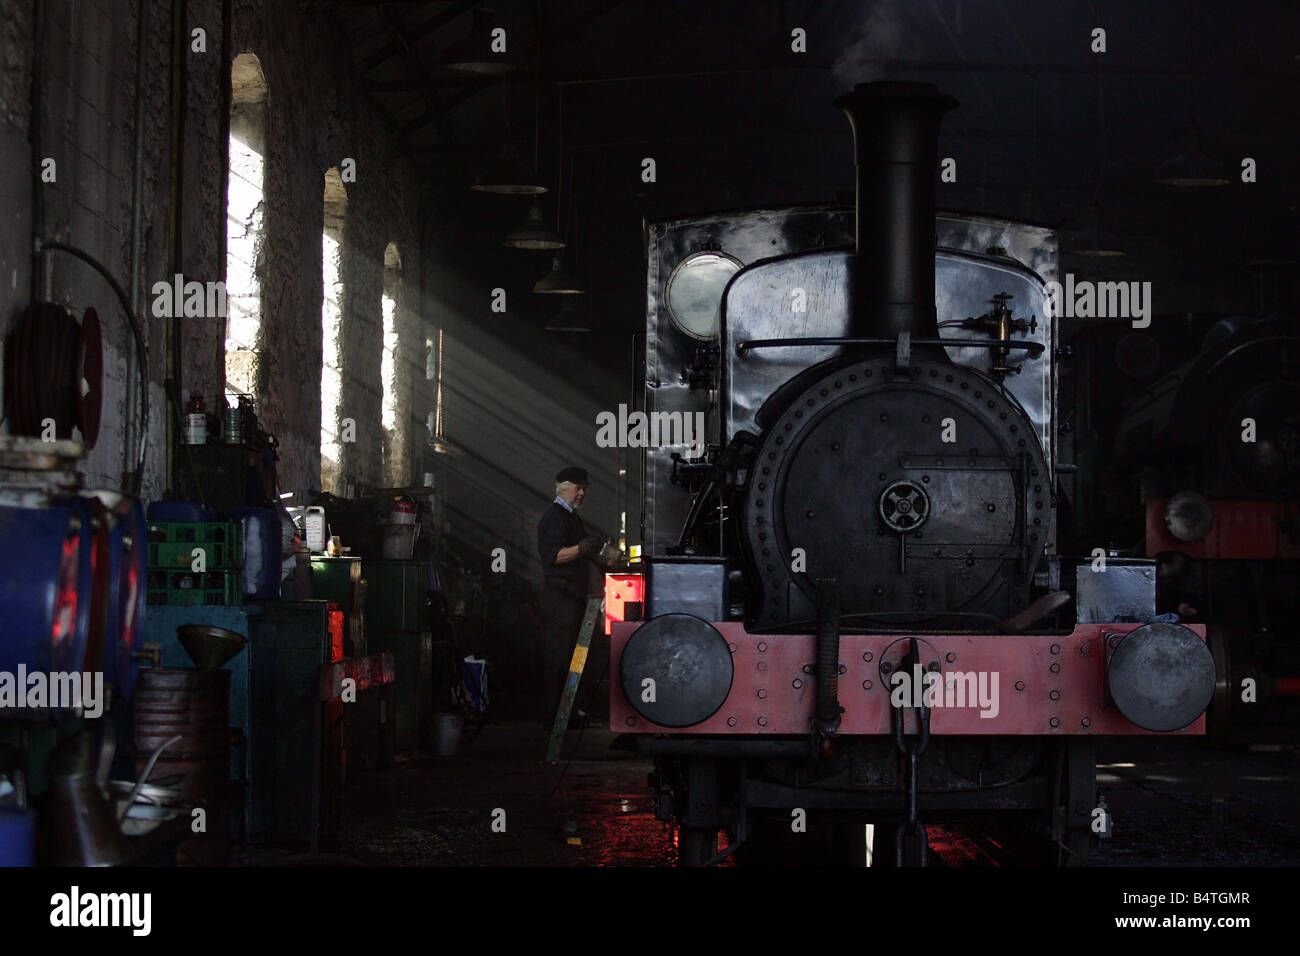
(565, 548)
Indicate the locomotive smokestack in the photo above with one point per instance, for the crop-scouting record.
(896, 146)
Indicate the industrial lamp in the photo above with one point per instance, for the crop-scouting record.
(1191, 170)
(559, 282)
(473, 53)
(534, 233)
(508, 176)
(568, 319)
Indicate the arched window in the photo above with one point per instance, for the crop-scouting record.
(244, 217)
(395, 465)
(333, 428)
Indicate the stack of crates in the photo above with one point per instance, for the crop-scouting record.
(173, 558)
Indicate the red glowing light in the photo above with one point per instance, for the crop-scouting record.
(621, 589)
(65, 599)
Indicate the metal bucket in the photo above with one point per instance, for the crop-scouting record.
(399, 540)
(446, 734)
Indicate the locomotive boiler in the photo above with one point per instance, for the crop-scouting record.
(856, 606)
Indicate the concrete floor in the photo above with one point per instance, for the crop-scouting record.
(1174, 802)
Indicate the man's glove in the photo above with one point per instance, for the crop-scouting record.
(590, 546)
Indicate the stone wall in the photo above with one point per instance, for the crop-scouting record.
(315, 118)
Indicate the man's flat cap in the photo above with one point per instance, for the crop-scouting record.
(574, 474)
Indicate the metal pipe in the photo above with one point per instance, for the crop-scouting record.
(137, 215)
(174, 220)
(828, 655)
(34, 137)
(896, 146)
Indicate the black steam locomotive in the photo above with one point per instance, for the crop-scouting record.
(1211, 451)
(856, 606)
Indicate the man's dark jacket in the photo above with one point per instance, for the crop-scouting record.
(560, 528)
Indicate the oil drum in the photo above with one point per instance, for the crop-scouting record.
(195, 705)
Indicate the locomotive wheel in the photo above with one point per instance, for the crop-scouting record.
(696, 845)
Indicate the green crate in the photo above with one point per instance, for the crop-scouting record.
(214, 587)
(172, 543)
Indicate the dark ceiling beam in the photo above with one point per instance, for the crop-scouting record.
(442, 83)
(936, 66)
(434, 108)
(741, 29)
(439, 115)
(409, 36)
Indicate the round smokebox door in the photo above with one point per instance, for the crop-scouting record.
(1161, 676)
(676, 670)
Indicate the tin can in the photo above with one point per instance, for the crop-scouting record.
(403, 512)
(232, 425)
(196, 422)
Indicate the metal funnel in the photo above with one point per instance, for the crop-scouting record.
(209, 647)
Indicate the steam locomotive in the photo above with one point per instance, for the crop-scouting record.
(857, 609)
(1211, 450)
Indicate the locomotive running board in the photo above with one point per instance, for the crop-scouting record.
(1040, 685)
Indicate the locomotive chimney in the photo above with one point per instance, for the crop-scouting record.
(896, 145)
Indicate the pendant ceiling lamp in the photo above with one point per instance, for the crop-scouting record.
(568, 319)
(1094, 241)
(534, 233)
(1192, 168)
(508, 176)
(482, 53)
(559, 281)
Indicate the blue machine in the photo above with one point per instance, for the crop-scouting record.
(45, 597)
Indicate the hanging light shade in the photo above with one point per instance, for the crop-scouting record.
(568, 319)
(440, 446)
(474, 54)
(1191, 171)
(559, 282)
(1091, 238)
(510, 177)
(1096, 244)
(534, 233)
